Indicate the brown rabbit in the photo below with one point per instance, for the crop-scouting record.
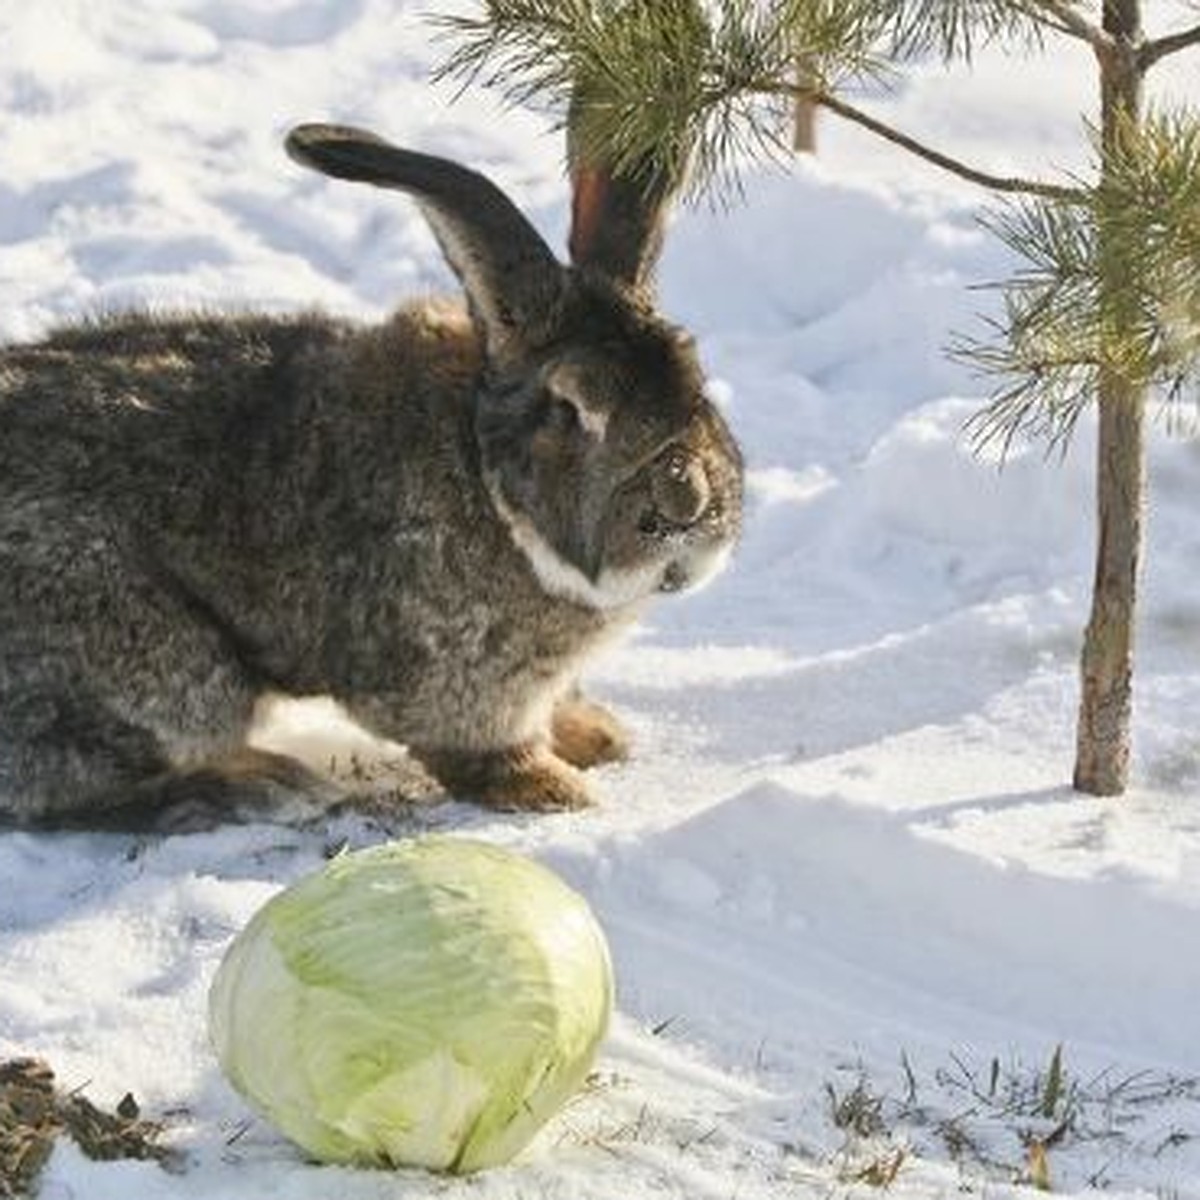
(435, 520)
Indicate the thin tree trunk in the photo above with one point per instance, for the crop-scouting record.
(1106, 667)
(1106, 699)
(804, 112)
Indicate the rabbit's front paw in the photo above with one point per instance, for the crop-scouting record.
(586, 734)
(515, 779)
(546, 784)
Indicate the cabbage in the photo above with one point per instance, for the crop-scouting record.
(422, 1003)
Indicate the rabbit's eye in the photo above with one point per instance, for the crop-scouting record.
(679, 487)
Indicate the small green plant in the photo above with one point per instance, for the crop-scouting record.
(1052, 1092)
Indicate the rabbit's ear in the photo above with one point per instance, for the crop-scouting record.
(616, 223)
(512, 279)
(617, 220)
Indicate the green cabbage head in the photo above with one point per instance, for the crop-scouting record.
(424, 1003)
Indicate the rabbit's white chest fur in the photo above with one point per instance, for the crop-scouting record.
(613, 590)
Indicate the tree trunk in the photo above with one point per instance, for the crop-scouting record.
(1106, 701)
(1106, 667)
(804, 113)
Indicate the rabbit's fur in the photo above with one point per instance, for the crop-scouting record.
(435, 521)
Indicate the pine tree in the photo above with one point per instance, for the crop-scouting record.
(1106, 309)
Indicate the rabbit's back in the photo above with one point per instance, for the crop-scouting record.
(169, 422)
(117, 408)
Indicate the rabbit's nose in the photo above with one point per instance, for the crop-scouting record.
(680, 488)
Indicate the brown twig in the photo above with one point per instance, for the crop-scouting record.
(996, 183)
(1152, 51)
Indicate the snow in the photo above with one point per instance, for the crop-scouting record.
(846, 852)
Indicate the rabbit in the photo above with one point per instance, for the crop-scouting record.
(436, 520)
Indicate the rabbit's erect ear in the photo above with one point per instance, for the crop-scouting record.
(512, 279)
(617, 220)
(616, 226)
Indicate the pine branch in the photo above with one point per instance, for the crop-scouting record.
(1064, 322)
(998, 183)
(1152, 51)
(952, 29)
(1067, 20)
(538, 49)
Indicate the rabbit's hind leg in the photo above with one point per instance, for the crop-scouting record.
(248, 785)
(68, 763)
(113, 690)
(59, 749)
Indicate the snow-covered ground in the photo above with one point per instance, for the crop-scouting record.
(843, 875)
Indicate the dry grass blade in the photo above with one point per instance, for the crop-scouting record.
(882, 1171)
(1038, 1164)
